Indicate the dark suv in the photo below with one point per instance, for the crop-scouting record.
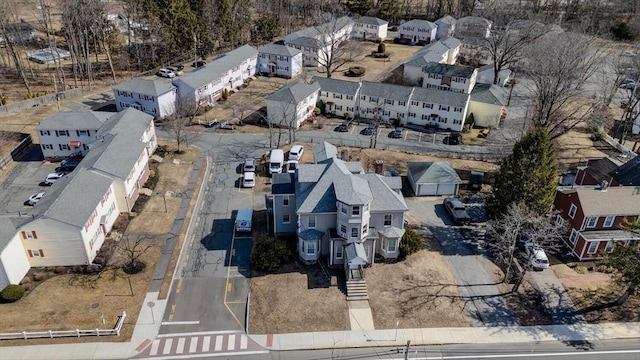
(68, 165)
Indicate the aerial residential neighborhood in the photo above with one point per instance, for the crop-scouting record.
(376, 182)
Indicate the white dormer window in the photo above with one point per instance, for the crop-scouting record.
(355, 211)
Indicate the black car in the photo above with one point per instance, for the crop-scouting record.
(199, 63)
(370, 130)
(68, 165)
(455, 138)
(341, 128)
(397, 133)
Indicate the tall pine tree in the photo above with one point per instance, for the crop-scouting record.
(527, 175)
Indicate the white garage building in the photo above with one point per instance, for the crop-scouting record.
(433, 178)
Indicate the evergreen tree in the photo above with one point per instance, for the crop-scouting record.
(527, 175)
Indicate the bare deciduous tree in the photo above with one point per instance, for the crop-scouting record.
(559, 65)
(133, 248)
(517, 226)
(178, 124)
(5, 33)
(335, 50)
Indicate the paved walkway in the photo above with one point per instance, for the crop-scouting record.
(360, 317)
(556, 299)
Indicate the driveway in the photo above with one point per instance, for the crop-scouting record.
(556, 299)
(485, 305)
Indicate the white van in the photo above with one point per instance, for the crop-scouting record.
(243, 220)
(276, 160)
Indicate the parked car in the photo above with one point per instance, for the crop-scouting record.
(249, 180)
(370, 129)
(177, 71)
(397, 133)
(536, 255)
(68, 165)
(484, 133)
(629, 85)
(457, 210)
(292, 166)
(33, 199)
(296, 152)
(455, 138)
(249, 165)
(51, 178)
(341, 128)
(166, 73)
(199, 63)
(226, 126)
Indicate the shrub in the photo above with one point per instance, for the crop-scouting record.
(320, 106)
(12, 293)
(581, 269)
(148, 183)
(597, 136)
(382, 48)
(270, 253)
(606, 269)
(411, 242)
(622, 31)
(347, 116)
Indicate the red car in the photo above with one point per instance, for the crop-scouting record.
(199, 63)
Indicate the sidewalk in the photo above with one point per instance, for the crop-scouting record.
(442, 336)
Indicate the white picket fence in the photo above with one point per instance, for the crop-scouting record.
(66, 333)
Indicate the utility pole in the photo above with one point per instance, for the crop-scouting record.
(195, 51)
(406, 350)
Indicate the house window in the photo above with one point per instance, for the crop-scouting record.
(286, 219)
(354, 232)
(391, 245)
(592, 221)
(29, 235)
(412, 114)
(45, 132)
(82, 132)
(387, 219)
(608, 221)
(365, 227)
(36, 253)
(285, 201)
(349, 97)
(414, 103)
(343, 229)
(390, 102)
(343, 208)
(593, 247)
(373, 99)
(339, 251)
(572, 211)
(63, 146)
(62, 133)
(311, 247)
(444, 108)
(609, 248)
(457, 109)
(47, 146)
(355, 211)
(559, 220)
(574, 236)
(402, 103)
(312, 222)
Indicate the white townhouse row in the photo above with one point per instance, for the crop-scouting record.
(204, 86)
(455, 78)
(292, 105)
(444, 51)
(279, 60)
(69, 224)
(65, 133)
(418, 31)
(369, 28)
(316, 41)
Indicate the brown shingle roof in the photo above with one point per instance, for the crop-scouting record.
(619, 200)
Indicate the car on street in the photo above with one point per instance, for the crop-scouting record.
(536, 255)
(397, 133)
(199, 63)
(249, 180)
(455, 138)
(457, 210)
(176, 70)
(292, 166)
(68, 165)
(33, 199)
(166, 73)
(51, 178)
(296, 152)
(226, 126)
(249, 165)
(370, 129)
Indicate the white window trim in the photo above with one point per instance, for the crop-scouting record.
(589, 247)
(588, 219)
(287, 221)
(395, 243)
(574, 231)
(559, 220)
(315, 222)
(608, 249)
(384, 219)
(608, 221)
(572, 211)
(357, 229)
(306, 247)
(339, 255)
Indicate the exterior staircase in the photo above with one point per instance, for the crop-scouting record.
(357, 290)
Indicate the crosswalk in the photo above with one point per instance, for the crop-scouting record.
(215, 343)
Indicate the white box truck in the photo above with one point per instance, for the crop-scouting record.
(243, 220)
(276, 160)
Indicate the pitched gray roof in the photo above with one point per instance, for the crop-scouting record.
(449, 70)
(438, 172)
(384, 198)
(450, 42)
(354, 167)
(310, 234)
(370, 20)
(337, 86)
(474, 20)
(392, 232)
(324, 151)
(386, 91)
(617, 200)
(305, 41)
(423, 24)
(429, 53)
(629, 173)
(394, 182)
(146, 87)
(214, 70)
(352, 190)
(279, 49)
(316, 31)
(447, 19)
(72, 120)
(130, 123)
(355, 251)
(80, 193)
(442, 97)
(7, 231)
(489, 94)
(601, 168)
(294, 92)
(283, 183)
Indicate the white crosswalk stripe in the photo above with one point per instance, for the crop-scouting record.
(154, 347)
(231, 342)
(195, 345)
(206, 341)
(167, 346)
(180, 348)
(243, 341)
(218, 345)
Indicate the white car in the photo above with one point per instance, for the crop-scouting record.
(166, 73)
(296, 152)
(51, 178)
(536, 255)
(292, 166)
(249, 180)
(33, 199)
(249, 165)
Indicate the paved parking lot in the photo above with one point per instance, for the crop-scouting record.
(23, 181)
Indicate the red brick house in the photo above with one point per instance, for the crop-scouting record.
(594, 216)
(596, 171)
